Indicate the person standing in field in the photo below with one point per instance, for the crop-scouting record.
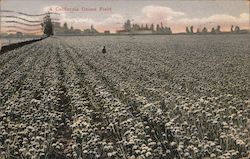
(104, 50)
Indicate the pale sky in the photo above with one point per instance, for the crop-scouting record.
(176, 14)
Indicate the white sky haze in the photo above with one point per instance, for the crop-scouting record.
(111, 14)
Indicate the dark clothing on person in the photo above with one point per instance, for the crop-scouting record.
(104, 49)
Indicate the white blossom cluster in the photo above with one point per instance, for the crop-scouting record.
(148, 97)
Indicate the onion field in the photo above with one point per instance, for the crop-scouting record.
(148, 97)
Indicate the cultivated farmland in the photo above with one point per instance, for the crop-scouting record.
(148, 97)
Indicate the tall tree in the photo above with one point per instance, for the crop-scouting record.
(71, 29)
(232, 28)
(65, 28)
(218, 29)
(127, 25)
(204, 30)
(157, 27)
(152, 27)
(237, 29)
(187, 30)
(192, 29)
(47, 26)
(213, 30)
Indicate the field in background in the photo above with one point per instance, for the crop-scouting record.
(148, 96)
(8, 41)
